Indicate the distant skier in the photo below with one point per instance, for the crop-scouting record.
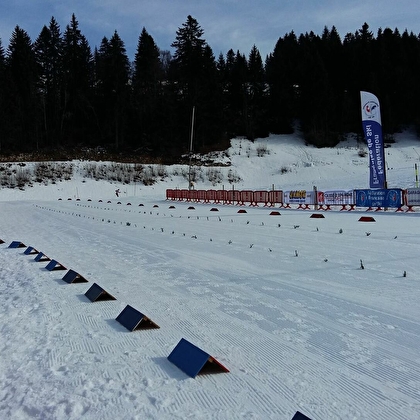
(117, 192)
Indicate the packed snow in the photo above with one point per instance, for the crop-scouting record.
(281, 301)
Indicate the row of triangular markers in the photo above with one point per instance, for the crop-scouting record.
(186, 356)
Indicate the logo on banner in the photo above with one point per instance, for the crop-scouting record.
(362, 198)
(299, 194)
(371, 109)
(392, 197)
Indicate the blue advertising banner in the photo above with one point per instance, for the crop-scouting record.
(372, 127)
(379, 198)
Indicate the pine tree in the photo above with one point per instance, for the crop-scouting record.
(147, 65)
(210, 125)
(314, 93)
(3, 101)
(49, 55)
(188, 58)
(331, 52)
(283, 82)
(112, 75)
(237, 93)
(147, 92)
(78, 113)
(256, 124)
(22, 90)
(194, 79)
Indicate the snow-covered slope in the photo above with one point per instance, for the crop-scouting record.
(284, 162)
(281, 301)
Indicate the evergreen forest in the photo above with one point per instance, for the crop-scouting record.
(59, 94)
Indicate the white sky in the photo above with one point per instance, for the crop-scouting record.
(227, 24)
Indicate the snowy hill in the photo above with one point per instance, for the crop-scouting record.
(281, 301)
(284, 162)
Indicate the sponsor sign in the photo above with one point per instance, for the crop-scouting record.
(379, 198)
(372, 127)
(298, 197)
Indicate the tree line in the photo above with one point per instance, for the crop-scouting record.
(57, 93)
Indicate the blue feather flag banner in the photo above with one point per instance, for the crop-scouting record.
(372, 127)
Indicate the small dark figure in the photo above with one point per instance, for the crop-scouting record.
(405, 274)
(367, 233)
(340, 231)
(117, 192)
(361, 265)
(296, 253)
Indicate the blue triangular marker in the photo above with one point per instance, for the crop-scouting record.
(30, 250)
(41, 257)
(299, 416)
(54, 265)
(96, 293)
(191, 359)
(72, 277)
(17, 244)
(132, 319)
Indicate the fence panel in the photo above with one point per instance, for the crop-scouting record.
(260, 197)
(275, 197)
(247, 197)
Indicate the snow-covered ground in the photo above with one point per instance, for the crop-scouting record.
(281, 301)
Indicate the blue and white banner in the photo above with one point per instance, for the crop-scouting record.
(372, 127)
(336, 197)
(379, 198)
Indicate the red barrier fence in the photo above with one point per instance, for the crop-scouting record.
(211, 196)
(201, 195)
(220, 196)
(275, 197)
(232, 197)
(254, 198)
(260, 197)
(185, 195)
(247, 197)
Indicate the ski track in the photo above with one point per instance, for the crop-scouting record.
(294, 344)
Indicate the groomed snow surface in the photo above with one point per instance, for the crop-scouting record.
(280, 300)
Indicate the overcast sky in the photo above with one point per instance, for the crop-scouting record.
(236, 24)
